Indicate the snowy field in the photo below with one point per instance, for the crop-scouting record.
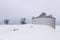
(29, 32)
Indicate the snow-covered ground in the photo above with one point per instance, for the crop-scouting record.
(29, 32)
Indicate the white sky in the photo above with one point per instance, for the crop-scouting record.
(29, 8)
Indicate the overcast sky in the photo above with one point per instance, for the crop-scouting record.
(28, 8)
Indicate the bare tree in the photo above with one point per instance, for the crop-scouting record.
(6, 21)
(23, 21)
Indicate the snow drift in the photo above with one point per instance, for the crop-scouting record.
(29, 32)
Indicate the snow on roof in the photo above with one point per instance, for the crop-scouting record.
(43, 15)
